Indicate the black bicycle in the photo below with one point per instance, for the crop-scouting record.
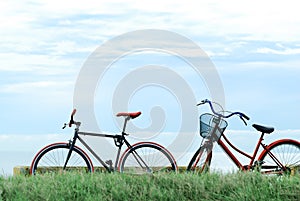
(142, 157)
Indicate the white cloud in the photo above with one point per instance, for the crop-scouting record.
(25, 27)
(261, 64)
(69, 47)
(284, 51)
(279, 49)
(30, 86)
(28, 142)
(260, 20)
(38, 64)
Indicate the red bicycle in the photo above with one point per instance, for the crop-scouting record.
(281, 156)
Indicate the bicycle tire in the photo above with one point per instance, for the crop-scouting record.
(200, 162)
(147, 157)
(52, 158)
(287, 152)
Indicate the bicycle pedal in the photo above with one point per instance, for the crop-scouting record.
(245, 167)
(259, 163)
(109, 162)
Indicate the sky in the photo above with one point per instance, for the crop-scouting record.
(254, 46)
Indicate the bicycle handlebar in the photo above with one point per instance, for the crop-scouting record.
(240, 114)
(71, 120)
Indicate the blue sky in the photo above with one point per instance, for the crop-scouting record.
(254, 46)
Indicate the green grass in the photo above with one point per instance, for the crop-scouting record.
(103, 186)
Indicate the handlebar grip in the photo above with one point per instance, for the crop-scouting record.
(202, 102)
(73, 113)
(72, 119)
(246, 117)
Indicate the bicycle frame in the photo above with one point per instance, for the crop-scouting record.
(117, 138)
(119, 142)
(252, 158)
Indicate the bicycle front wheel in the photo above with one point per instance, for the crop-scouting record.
(287, 152)
(53, 157)
(147, 157)
(201, 160)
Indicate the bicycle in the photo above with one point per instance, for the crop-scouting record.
(142, 157)
(279, 157)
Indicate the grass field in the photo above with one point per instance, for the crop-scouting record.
(104, 186)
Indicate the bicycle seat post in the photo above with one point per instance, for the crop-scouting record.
(125, 123)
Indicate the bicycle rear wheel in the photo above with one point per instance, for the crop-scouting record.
(147, 157)
(287, 152)
(201, 160)
(52, 159)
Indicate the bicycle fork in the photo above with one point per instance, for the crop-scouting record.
(71, 147)
(206, 147)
